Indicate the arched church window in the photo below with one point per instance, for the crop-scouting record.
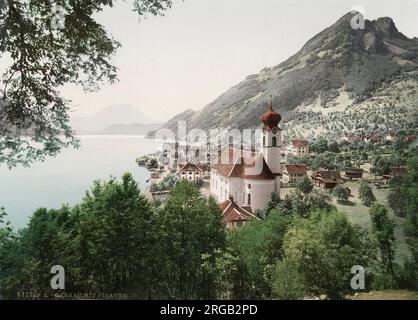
(274, 141)
(264, 141)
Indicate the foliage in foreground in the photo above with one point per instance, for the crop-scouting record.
(115, 241)
(42, 48)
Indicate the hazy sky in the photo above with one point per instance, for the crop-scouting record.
(202, 47)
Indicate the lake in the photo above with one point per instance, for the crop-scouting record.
(66, 178)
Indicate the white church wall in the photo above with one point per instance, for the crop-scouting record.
(260, 192)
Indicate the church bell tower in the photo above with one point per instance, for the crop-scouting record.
(271, 142)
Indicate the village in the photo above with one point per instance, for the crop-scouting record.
(329, 165)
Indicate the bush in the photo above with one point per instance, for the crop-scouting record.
(366, 194)
(199, 182)
(340, 193)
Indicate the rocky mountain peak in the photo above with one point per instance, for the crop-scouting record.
(340, 66)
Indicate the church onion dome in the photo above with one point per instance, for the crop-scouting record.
(270, 118)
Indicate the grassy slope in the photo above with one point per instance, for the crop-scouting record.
(359, 214)
(387, 295)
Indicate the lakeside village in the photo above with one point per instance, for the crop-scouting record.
(241, 192)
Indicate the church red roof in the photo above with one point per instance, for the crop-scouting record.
(242, 164)
(270, 118)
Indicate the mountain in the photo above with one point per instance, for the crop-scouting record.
(117, 114)
(341, 80)
(130, 129)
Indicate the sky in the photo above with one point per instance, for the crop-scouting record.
(203, 47)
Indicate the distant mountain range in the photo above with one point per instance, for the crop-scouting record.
(117, 119)
(340, 81)
(130, 129)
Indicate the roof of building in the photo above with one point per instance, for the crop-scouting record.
(398, 172)
(192, 166)
(409, 138)
(328, 176)
(296, 168)
(375, 137)
(353, 170)
(242, 164)
(300, 143)
(270, 118)
(232, 212)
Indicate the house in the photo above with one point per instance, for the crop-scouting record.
(250, 176)
(293, 173)
(327, 179)
(353, 173)
(192, 171)
(351, 137)
(348, 138)
(395, 172)
(375, 138)
(409, 138)
(298, 148)
(234, 215)
(390, 136)
(155, 175)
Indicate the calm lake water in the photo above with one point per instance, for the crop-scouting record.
(66, 178)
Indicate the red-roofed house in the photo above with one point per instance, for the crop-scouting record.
(293, 173)
(234, 215)
(192, 171)
(299, 148)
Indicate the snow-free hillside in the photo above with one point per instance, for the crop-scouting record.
(342, 79)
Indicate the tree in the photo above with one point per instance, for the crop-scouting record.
(400, 147)
(300, 204)
(305, 186)
(45, 45)
(117, 236)
(191, 229)
(404, 200)
(396, 197)
(333, 147)
(11, 260)
(152, 164)
(325, 160)
(288, 280)
(340, 193)
(222, 266)
(382, 165)
(319, 199)
(319, 146)
(273, 203)
(258, 246)
(325, 246)
(366, 194)
(383, 229)
(107, 243)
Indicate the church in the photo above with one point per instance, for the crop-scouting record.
(250, 177)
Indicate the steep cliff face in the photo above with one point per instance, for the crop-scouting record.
(335, 72)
